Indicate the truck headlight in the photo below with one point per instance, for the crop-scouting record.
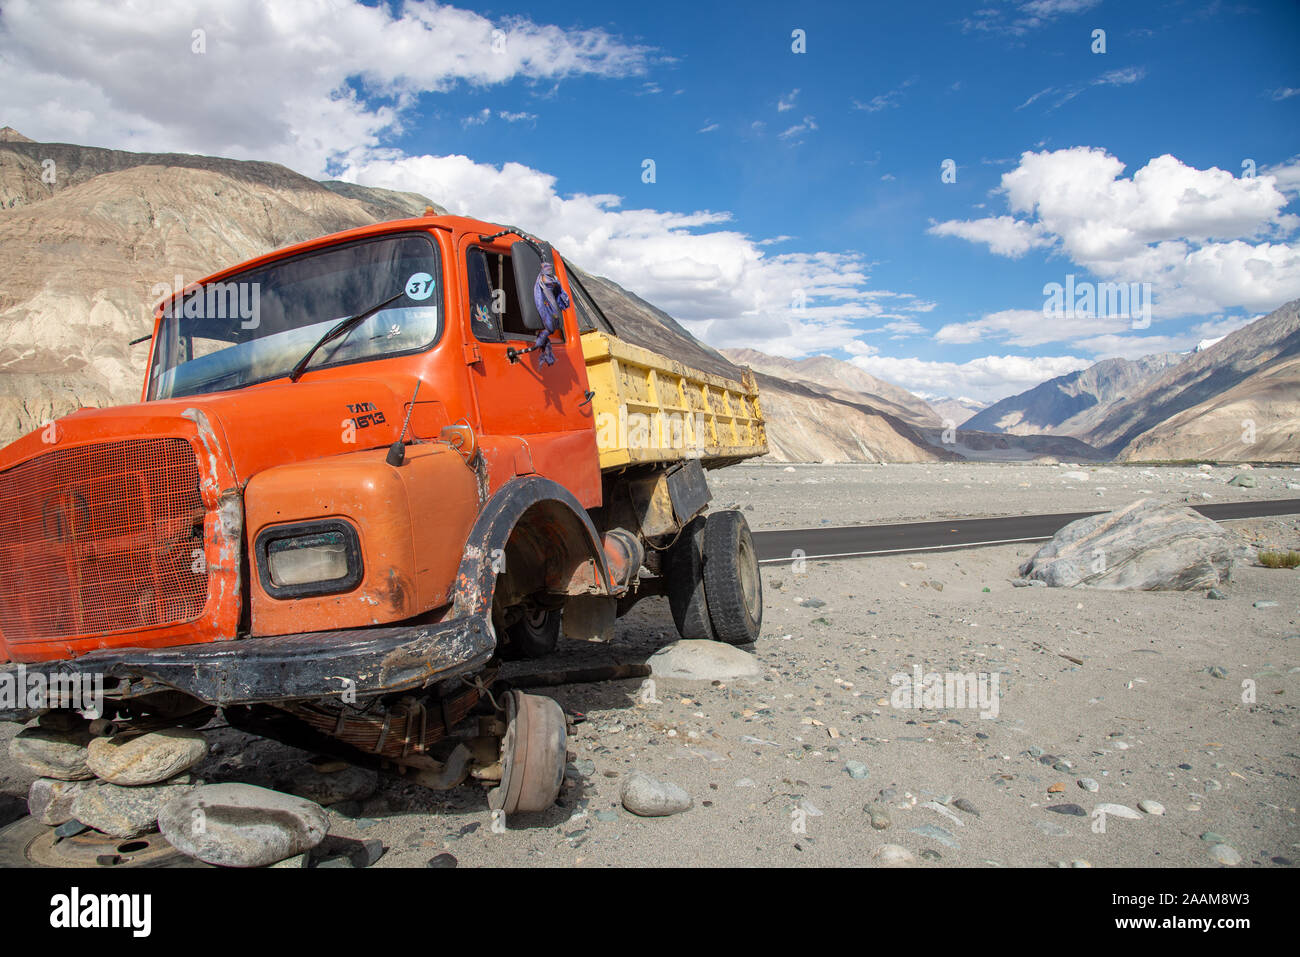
(302, 559)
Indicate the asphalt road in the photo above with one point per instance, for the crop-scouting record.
(850, 541)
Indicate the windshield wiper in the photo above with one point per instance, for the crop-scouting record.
(339, 329)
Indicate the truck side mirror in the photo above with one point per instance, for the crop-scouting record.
(527, 263)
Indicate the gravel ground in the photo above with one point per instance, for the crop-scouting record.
(1109, 686)
(805, 496)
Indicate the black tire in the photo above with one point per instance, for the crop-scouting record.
(731, 579)
(535, 635)
(684, 581)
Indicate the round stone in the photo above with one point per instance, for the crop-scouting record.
(137, 759)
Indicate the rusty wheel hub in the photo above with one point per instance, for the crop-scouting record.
(532, 755)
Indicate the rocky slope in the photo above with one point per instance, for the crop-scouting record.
(1238, 400)
(1072, 404)
(843, 380)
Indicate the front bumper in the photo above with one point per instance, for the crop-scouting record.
(361, 662)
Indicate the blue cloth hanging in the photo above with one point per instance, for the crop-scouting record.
(551, 300)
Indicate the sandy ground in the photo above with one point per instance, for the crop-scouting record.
(805, 496)
(765, 761)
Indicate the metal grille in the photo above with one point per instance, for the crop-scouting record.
(101, 538)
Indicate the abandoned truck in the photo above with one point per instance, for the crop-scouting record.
(364, 471)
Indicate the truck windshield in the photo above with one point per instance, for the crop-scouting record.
(253, 326)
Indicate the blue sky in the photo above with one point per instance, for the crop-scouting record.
(797, 205)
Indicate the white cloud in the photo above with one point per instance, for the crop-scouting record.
(1024, 17)
(303, 83)
(1004, 235)
(884, 101)
(707, 128)
(1207, 241)
(1062, 95)
(987, 378)
(796, 132)
(719, 282)
(787, 102)
(1285, 93)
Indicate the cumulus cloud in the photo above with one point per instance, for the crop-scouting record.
(1004, 235)
(303, 83)
(722, 284)
(787, 102)
(988, 378)
(1206, 240)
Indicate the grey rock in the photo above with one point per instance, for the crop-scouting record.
(892, 855)
(1213, 837)
(963, 804)
(124, 812)
(1244, 481)
(442, 861)
(137, 759)
(1088, 784)
(857, 770)
(1071, 809)
(239, 825)
(51, 753)
(1216, 595)
(1151, 807)
(49, 800)
(1265, 604)
(1225, 854)
(1052, 829)
(812, 603)
(647, 797)
(936, 833)
(1148, 545)
(70, 829)
(1217, 671)
(879, 815)
(702, 660)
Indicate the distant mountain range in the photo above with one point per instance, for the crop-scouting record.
(1074, 403)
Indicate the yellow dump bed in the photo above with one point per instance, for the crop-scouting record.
(650, 408)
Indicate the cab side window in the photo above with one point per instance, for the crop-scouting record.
(495, 315)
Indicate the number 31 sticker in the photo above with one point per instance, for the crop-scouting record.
(419, 287)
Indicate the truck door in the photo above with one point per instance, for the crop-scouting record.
(543, 404)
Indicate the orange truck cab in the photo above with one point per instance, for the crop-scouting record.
(353, 484)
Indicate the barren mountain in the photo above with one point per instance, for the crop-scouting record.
(958, 410)
(843, 380)
(1072, 404)
(1238, 399)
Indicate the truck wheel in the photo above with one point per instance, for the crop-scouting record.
(534, 635)
(685, 582)
(533, 754)
(731, 579)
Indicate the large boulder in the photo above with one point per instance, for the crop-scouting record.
(125, 812)
(701, 660)
(49, 800)
(136, 759)
(239, 825)
(1146, 546)
(52, 753)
